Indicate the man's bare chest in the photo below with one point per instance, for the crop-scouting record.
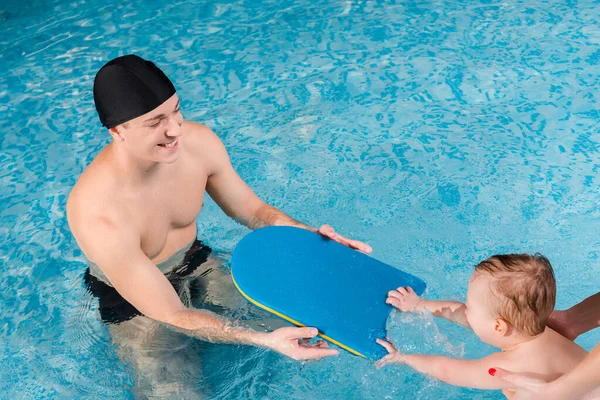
(168, 215)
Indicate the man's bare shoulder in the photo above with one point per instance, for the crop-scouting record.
(93, 198)
(203, 144)
(200, 138)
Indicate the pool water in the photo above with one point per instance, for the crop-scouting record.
(440, 132)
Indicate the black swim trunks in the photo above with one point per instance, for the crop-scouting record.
(115, 309)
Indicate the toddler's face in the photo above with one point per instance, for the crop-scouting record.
(479, 312)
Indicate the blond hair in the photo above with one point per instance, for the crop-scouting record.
(525, 287)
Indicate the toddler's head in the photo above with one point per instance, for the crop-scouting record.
(510, 297)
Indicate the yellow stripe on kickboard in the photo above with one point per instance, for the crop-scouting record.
(256, 303)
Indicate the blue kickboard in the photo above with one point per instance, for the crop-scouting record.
(311, 280)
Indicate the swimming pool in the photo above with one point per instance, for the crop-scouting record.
(440, 132)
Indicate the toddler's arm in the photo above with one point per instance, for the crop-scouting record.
(406, 300)
(465, 373)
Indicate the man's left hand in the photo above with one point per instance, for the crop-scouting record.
(329, 232)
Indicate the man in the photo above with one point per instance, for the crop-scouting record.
(134, 209)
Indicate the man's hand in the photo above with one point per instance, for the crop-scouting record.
(404, 299)
(294, 343)
(393, 357)
(329, 232)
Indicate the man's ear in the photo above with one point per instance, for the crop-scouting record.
(502, 327)
(116, 133)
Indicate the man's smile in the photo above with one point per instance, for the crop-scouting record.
(170, 145)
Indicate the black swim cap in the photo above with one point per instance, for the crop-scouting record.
(128, 87)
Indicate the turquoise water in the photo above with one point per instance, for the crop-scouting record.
(440, 132)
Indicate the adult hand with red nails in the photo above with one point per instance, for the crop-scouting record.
(582, 383)
(525, 387)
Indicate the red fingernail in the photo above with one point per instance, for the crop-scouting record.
(492, 371)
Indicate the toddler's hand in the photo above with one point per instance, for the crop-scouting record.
(393, 357)
(404, 298)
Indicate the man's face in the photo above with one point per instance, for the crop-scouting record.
(154, 136)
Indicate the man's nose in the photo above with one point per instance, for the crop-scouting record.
(173, 128)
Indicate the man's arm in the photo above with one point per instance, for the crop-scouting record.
(116, 250)
(231, 193)
(457, 372)
(577, 320)
(239, 202)
(406, 300)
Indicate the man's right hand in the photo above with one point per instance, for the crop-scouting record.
(294, 343)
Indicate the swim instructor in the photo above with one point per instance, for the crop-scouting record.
(134, 208)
